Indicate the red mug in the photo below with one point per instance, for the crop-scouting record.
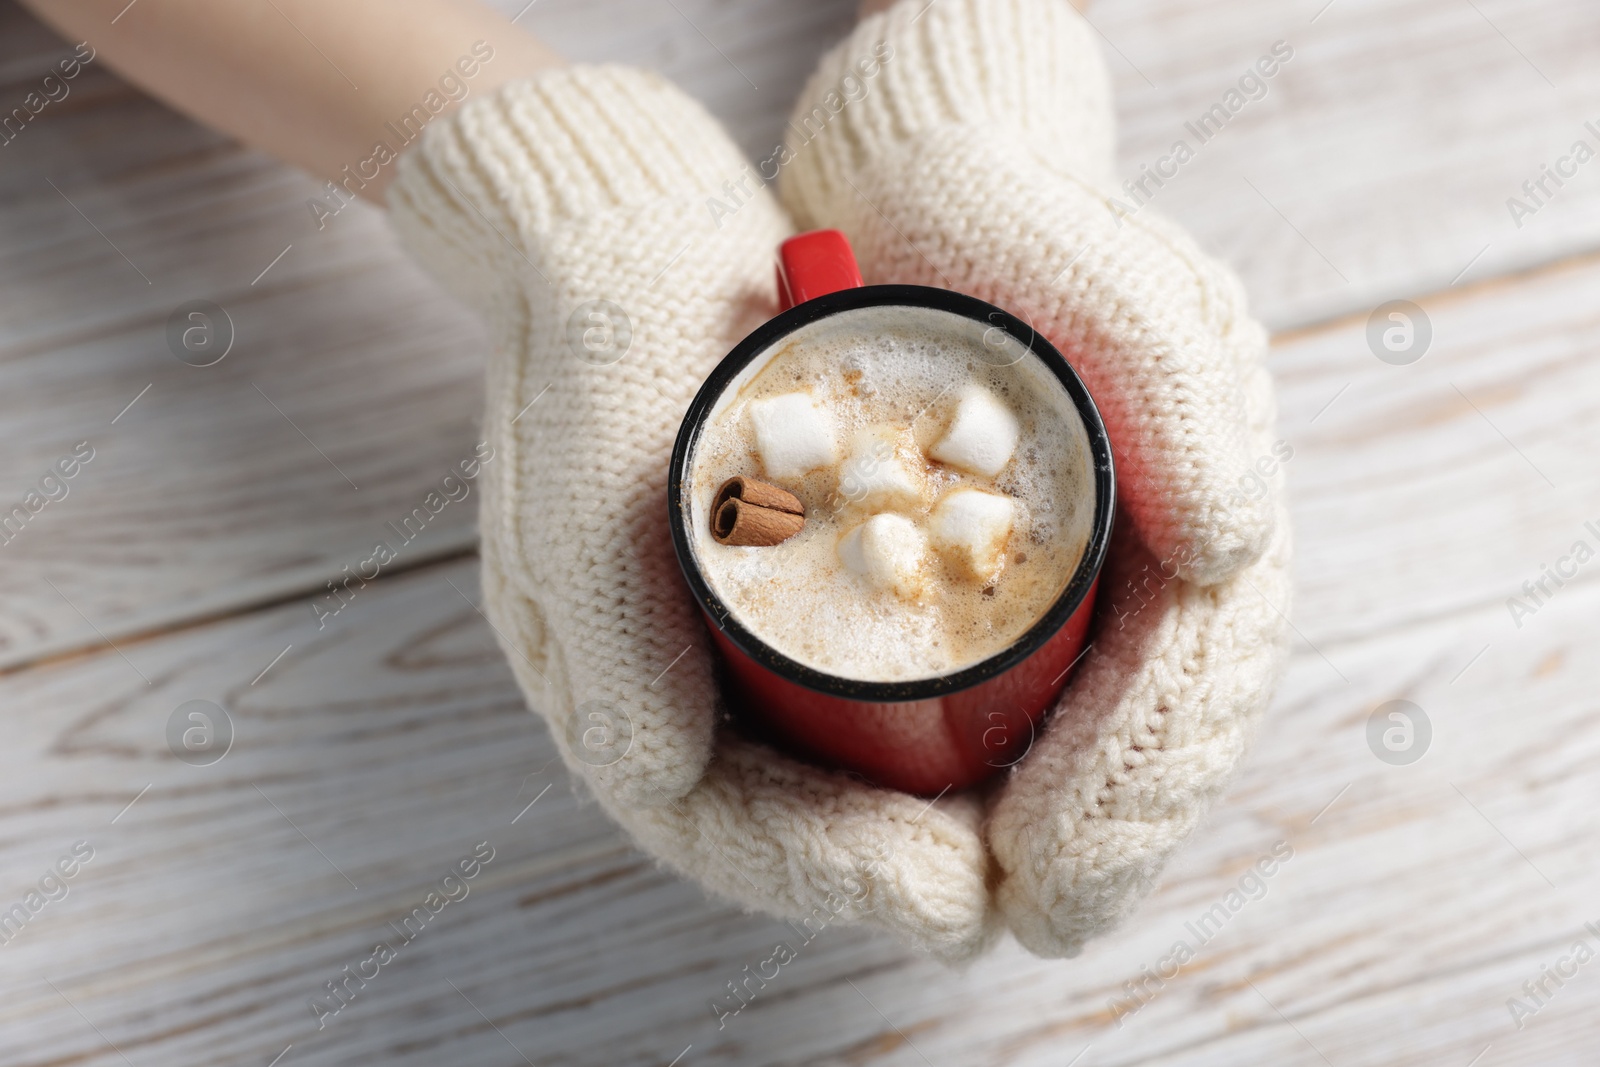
(926, 735)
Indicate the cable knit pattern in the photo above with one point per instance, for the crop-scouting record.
(1029, 67)
(591, 184)
(976, 160)
(1145, 739)
(980, 163)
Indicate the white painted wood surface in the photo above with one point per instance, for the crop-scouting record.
(227, 484)
(380, 750)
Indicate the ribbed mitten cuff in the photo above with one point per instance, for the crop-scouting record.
(1028, 67)
(539, 153)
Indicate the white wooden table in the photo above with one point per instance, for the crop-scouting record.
(370, 756)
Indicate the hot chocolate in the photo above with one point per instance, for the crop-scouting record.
(946, 484)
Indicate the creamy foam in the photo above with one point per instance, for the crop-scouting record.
(901, 367)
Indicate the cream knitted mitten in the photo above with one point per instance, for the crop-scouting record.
(572, 211)
(979, 159)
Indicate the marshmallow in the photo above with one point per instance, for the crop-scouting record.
(793, 434)
(888, 550)
(885, 470)
(982, 435)
(970, 527)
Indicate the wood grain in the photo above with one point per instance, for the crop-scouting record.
(1380, 160)
(223, 485)
(1457, 477)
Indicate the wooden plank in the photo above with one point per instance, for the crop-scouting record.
(1380, 159)
(1457, 478)
(746, 62)
(217, 486)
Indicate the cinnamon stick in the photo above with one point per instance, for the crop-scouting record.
(758, 493)
(748, 512)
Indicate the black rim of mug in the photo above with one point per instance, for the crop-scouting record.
(770, 333)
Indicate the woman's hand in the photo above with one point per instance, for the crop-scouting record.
(966, 145)
(978, 157)
(572, 210)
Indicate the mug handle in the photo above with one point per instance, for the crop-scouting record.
(813, 264)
